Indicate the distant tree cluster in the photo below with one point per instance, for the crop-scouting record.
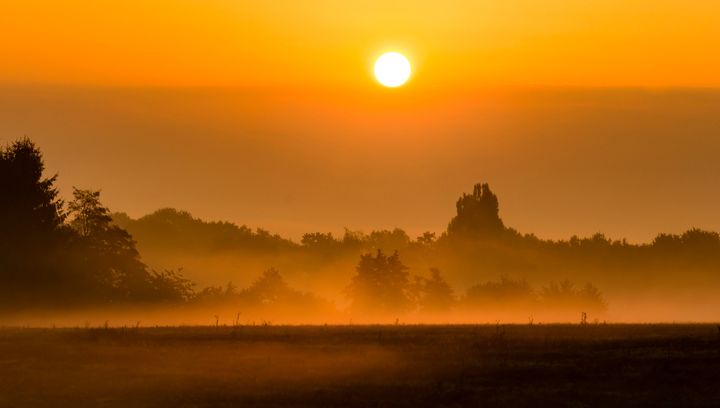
(507, 293)
(353, 241)
(171, 229)
(476, 239)
(382, 285)
(269, 292)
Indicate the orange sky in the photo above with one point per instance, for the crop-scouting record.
(462, 43)
(628, 163)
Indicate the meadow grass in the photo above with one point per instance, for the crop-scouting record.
(362, 365)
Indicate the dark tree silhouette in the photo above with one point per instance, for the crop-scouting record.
(171, 286)
(31, 223)
(667, 243)
(107, 250)
(381, 284)
(89, 217)
(320, 241)
(169, 228)
(29, 203)
(45, 261)
(427, 239)
(477, 215)
(436, 295)
(388, 240)
(700, 243)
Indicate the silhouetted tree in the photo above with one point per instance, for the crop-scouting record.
(380, 285)
(171, 286)
(353, 240)
(108, 251)
(89, 216)
(32, 233)
(320, 241)
(667, 243)
(269, 288)
(29, 204)
(477, 215)
(436, 295)
(701, 243)
(505, 292)
(388, 240)
(426, 239)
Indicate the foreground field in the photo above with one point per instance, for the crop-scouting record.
(363, 366)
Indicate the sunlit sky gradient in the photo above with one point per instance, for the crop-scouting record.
(463, 43)
(584, 116)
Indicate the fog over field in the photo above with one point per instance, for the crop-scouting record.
(73, 262)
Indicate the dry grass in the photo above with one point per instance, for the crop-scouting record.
(563, 365)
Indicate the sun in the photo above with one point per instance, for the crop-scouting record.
(392, 69)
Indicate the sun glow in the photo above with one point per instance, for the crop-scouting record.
(392, 69)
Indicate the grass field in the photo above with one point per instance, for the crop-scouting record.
(362, 366)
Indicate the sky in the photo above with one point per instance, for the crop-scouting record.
(461, 43)
(584, 116)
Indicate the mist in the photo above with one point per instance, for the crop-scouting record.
(65, 258)
(627, 163)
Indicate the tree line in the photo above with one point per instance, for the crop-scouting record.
(477, 222)
(77, 252)
(383, 286)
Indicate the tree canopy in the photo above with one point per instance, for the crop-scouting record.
(381, 284)
(477, 215)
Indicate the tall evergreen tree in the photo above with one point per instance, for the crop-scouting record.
(31, 221)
